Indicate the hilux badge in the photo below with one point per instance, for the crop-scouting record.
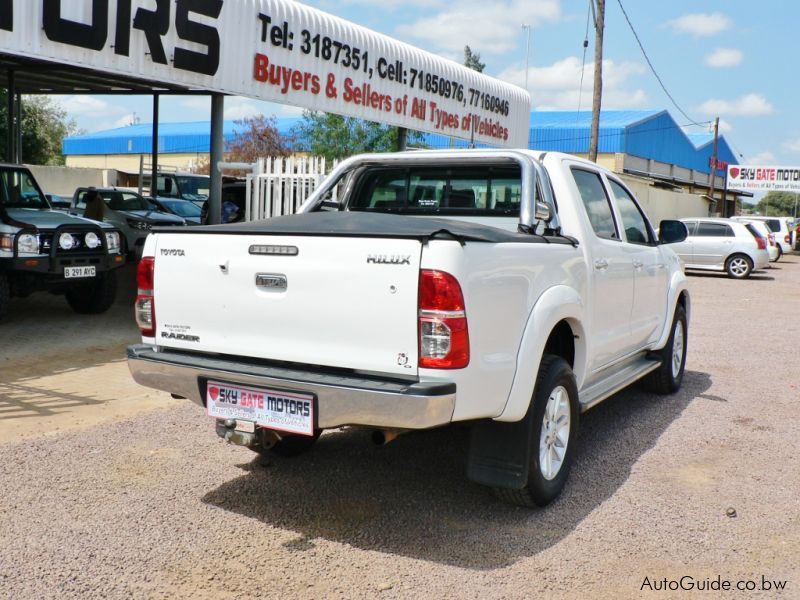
(382, 259)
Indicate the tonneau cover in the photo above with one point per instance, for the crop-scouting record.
(374, 225)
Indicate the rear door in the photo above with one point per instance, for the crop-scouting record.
(330, 301)
(610, 272)
(712, 242)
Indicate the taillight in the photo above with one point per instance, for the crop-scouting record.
(762, 245)
(787, 238)
(443, 332)
(145, 303)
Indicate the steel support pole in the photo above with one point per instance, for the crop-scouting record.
(18, 154)
(154, 151)
(217, 156)
(402, 139)
(10, 136)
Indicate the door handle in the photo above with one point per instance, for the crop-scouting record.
(637, 264)
(601, 264)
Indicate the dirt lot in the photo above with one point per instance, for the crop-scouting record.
(114, 491)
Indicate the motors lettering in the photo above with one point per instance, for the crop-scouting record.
(154, 23)
(262, 401)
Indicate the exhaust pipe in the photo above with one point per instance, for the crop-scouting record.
(381, 437)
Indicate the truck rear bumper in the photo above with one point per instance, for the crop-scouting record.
(341, 399)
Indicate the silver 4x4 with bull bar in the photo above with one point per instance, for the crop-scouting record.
(49, 250)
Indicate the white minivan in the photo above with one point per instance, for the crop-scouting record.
(781, 227)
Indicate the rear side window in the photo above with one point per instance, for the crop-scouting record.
(690, 227)
(495, 191)
(596, 203)
(774, 225)
(633, 221)
(714, 230)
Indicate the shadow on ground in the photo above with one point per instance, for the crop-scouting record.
(412, 498)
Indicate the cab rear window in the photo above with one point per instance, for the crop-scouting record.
(460, 191)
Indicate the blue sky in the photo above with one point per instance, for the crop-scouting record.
(731, 59)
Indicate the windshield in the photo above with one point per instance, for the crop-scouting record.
(18, 189)
(193, 188)
(182, 208)
(125, 201)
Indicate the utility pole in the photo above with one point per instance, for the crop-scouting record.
(714, 169)
(599, 23)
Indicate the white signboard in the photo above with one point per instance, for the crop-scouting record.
(760, 178)
(276, 50)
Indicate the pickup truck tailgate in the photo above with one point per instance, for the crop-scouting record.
(331, 301)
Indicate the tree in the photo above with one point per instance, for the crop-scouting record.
(44, 126)
(258, 137)
(778, 204)
(473, 60)
(334, 137)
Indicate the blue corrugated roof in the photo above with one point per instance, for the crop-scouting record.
(652, 134)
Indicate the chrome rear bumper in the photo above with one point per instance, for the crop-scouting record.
(341, 400)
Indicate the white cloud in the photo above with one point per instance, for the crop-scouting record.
(763, 158)
(749, 105)
(487, 27)
(701, 24)
(94, 114)
(557, 86)
(792, 145)
(724, 126)
(724, 57)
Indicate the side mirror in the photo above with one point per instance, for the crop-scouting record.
(543, 212)
(672, 232)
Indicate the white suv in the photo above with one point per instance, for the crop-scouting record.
(722, 245)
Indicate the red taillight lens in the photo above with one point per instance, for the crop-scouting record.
(787, 238)
(762, 245)
(443, 331)
(145, 303)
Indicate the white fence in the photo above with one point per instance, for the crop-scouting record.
(279, 186)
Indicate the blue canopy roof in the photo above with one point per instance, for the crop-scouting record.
(651, 134)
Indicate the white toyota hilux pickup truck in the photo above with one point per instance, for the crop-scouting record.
(507, 290)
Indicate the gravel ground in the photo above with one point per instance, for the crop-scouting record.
(157, 506)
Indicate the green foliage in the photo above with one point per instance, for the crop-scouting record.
(779, 204)
(44, 127)
(336, 137)
(473, 60)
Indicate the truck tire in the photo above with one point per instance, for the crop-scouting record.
(290, 445)
(5, 295)
(668, 377)
(94, 297)
(555, 432)
(739, 266)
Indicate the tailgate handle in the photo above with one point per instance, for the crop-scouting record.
(271, 281)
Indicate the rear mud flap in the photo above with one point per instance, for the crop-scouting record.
(500, 453)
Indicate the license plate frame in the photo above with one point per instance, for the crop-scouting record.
(288, 411)
(80, 272)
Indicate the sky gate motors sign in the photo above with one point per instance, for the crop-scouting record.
(276, 50)
(758, 178)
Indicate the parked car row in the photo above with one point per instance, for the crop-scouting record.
(737, 246)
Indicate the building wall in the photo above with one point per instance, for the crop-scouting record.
(130, 162)
(65, 180)
(660, 204)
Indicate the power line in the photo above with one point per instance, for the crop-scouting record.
(652, 68)
(583, 62)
